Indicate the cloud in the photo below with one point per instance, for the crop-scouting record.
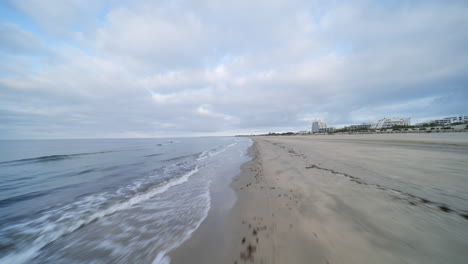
(169, 68)
(63, 19)
(153, 37)
(206, 110)
(15, 40)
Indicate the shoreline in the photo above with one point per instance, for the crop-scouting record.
(302, 199)
(215, 239)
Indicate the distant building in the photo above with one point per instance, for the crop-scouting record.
(317, 125)
(326, 129)
(360, 126)
(445, 121)
(391, 122)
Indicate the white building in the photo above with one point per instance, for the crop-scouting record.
(317, 125)
(390, 122)
(326, 129)
(446, 121)
(360, 126)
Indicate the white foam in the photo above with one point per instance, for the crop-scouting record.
(161, 257)
(211, 153)
(51, 231)
(73, 216)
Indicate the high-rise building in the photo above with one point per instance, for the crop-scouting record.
(317, 125)
(391, 122)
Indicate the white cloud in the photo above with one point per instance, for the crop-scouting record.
(151, 37)
(183, 97)
(206, 110)
(187, 68)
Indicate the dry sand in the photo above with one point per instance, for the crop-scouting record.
(341, 199)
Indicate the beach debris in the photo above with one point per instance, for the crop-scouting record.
(248, 254)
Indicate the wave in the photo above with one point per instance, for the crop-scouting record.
(47, 231)
(213, 152)
(50, 158)
(182, 157)
(23, 241)
(19, 198)
(162, 258)
(38, 159)
(153, 155)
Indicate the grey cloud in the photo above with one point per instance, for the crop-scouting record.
(180, 68)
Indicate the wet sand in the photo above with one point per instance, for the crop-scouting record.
(341, 199)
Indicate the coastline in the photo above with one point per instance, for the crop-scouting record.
(215, 241)
(333, 200)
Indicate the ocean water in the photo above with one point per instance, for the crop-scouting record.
(107, 200)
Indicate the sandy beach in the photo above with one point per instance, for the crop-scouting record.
(399, 198)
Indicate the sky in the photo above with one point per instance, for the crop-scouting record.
(122, 69)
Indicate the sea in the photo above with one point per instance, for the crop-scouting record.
(108, 200)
